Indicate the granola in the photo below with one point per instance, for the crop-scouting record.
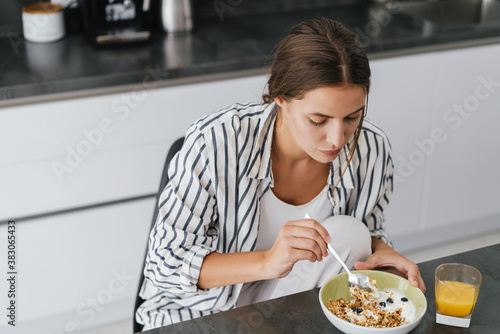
(380, 309)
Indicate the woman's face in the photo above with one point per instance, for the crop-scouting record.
(324, 120)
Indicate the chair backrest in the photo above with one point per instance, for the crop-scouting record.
(176, 146)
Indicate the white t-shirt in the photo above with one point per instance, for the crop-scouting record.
(304, 275)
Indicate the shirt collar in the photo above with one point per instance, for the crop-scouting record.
(261, 157)
(338, 167)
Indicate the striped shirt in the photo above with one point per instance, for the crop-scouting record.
(212, 203)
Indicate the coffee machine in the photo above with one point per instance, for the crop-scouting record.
(115, 22)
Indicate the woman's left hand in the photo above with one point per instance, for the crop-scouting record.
(384, 256)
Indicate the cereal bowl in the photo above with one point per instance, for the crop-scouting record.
(337, 287)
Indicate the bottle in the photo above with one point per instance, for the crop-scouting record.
(177, 16)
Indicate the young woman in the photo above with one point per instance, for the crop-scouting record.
(231, 228)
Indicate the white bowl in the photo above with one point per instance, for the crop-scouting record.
(337, 287)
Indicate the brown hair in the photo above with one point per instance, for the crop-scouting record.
(317, 53)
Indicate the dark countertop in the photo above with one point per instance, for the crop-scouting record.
(236, 46)
(301, 313)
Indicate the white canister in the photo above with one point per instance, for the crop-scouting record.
(43, 22)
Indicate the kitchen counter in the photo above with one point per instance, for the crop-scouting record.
(282, 315)
(237, 46)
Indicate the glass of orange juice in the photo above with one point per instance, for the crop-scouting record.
(456, 287)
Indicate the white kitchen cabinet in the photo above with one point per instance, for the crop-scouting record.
(463, 184)
(446, 159)
(78, 270)
(77, 152)
(401, 103)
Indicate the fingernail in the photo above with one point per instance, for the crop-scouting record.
(328, 239)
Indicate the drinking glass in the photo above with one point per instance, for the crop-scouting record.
(456, 287)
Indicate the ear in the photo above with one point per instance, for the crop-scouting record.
(280, 102)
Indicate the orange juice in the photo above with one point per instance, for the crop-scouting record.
(455, 298)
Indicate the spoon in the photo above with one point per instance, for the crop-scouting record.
(353, 279)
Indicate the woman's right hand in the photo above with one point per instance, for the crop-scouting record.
(303, 239)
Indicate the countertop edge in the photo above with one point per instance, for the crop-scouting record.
(435, 48)
(128, 88)
(231, 74)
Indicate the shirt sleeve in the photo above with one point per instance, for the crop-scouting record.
(185, 230)
(374, 182)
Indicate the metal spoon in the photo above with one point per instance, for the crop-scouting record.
(360, 280)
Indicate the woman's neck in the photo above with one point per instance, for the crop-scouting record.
(284, 147)
(298, 178)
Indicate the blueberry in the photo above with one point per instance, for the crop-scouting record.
(382, 304)
(353, 309)
(404, 299)
(390, 301)
(348, 320)
(359, 310)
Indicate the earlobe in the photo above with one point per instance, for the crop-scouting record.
(279, 101)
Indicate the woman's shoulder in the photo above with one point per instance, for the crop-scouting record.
(238, 111)
(372, 130)
(371, 126)
(240, 131)
(373, 143)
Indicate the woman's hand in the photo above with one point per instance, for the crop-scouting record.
(303, 239)
(385, 256)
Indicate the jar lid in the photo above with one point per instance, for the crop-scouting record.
(42, 8)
